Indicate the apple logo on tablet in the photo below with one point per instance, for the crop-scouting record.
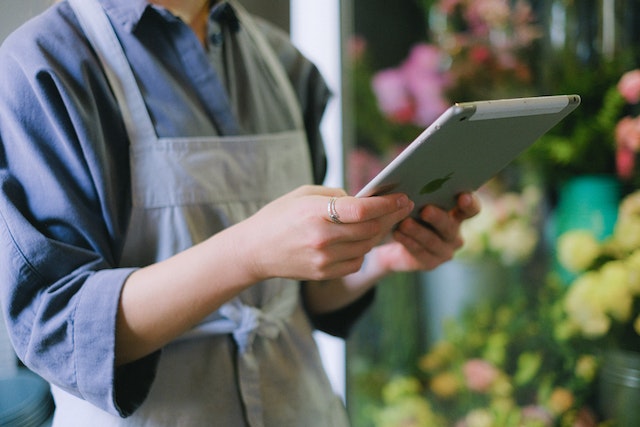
(435, 184)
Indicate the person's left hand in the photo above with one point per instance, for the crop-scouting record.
(424, 246)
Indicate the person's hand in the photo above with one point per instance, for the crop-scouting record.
(295, 237)
(427, 244)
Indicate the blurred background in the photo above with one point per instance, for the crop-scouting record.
(535, 322)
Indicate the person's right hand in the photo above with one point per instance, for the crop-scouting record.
(294, 237)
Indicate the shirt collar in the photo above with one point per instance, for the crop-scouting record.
(126, 12)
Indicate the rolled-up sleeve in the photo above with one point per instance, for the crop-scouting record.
(63, 213)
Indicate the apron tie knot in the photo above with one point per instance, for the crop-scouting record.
(249, 322)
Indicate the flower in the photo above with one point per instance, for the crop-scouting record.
(561, 400)
(577, 250)
(479, 53)
(487, 42)
(627, 130)
(629, 86)
(603, 300)
(413, 92)
(445, 385)
(501, 365)
(507, 226)
(479, 375)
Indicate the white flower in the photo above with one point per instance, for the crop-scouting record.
(583, 304)
(627, 233)
(479, 418)
(514, 241)
(633, 266)
(504, 228)
(616, 297)
(577, 250)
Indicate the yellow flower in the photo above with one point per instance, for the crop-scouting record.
(633, 265)
(586, 367)
(440, 356)
(400, 388)
(614, 290)
(583, 304)
(561, 400)
(577, 249)
(627, 229)
(445, 385)
(627, 233)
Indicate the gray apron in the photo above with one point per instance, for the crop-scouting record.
(253, 362)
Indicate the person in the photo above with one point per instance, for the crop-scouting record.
(167, 245)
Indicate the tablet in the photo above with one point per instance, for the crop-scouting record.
(466, 146)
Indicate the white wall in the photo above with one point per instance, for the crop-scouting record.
(15, 12)
(316, 31)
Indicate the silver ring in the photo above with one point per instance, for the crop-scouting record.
(333, 214)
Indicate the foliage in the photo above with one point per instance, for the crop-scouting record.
(503, 364)
(531, 356)
(584, 142)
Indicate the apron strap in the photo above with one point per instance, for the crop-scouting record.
(272, 61)
(101, 35)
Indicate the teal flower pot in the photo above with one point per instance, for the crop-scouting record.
(588, 202)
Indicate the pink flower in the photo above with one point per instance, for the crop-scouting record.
(625, 162)
(629, 86)
(426, 82)
(414, 91)
(394, 99)
(627, 135)
(424, 58)
(479, 375)
(537, 413)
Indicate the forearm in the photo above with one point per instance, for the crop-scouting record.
(296, 240)
(160, 302)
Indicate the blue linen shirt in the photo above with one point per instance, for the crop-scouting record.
(65, 184)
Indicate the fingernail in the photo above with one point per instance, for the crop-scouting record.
(403, 201)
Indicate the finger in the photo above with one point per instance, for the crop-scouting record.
(443, 223)
(416, 237)
(352, 210)
(467, 207)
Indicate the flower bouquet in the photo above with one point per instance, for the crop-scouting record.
(603, 302)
